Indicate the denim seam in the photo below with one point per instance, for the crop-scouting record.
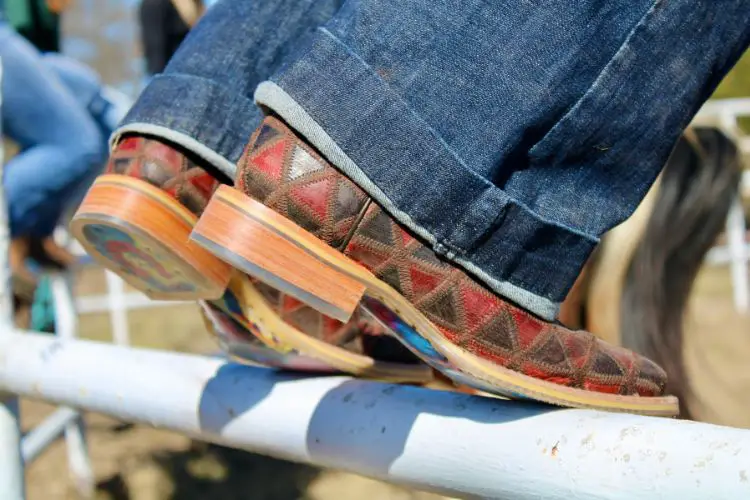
(606, 71)
(273, 97)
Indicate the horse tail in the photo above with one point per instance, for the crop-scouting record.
(698, 185)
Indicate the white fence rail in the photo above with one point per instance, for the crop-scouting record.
(11, 463)
(445, 442)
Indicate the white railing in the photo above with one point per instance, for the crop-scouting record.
(11, 463)
(449, 443)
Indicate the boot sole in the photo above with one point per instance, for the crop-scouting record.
(247, 306)
(141, 233)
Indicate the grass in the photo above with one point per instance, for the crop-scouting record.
(737, 84)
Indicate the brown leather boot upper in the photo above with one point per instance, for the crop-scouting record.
(287, 175)
(165, 168)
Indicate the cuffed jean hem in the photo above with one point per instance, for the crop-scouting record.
(529, 260)
(197, 114)
(503, 244)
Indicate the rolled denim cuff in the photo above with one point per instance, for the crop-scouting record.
(360, 124)
(198, 114)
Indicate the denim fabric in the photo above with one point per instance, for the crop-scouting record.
(204, 98)
(62, 149)
(510, 135)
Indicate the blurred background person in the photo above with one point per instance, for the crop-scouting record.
(164, 25)
(60, 151)
(38, 21)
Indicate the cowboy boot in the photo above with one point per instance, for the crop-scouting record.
(135, 220)
(296, 223)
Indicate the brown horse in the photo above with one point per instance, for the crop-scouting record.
(635, 288)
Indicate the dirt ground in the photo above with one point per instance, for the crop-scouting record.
(141, 463)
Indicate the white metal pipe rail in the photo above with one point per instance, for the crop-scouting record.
(11, 462)
(434, 440)
(39, 438)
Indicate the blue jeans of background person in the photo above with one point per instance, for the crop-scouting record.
(61, 144)
(106, 106)
(86, 86)
(509, 135)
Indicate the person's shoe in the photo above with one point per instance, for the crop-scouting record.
(297, 224)
(23, 281)
(23, 291)
(136, 220)
(49, 255)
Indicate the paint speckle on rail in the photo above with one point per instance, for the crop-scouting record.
(49, 353)
(587, 440)
(555, 449)
(743, 476)
(718, 445)
(629, 431)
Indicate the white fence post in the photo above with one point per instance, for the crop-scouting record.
(66, 327)
(118, 308)
(11, 462)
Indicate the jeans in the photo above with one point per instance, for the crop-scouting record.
(45, 109)
(508, 135)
